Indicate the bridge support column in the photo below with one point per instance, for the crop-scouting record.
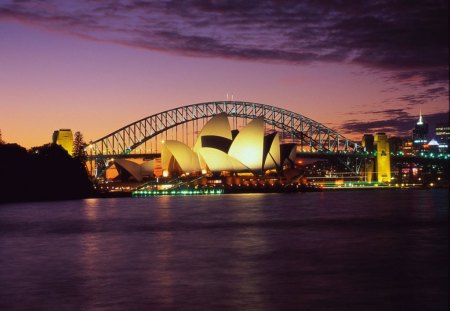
(367, 170)
(383, 158)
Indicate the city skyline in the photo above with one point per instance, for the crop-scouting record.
(95, 68)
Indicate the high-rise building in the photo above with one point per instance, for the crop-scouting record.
(383, 158)
(408, 147)
(420, 134)
(442, 135)
(395, 144)
(64, 138)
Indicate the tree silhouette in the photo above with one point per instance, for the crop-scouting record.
(78, 145)
(43, 173)
(1, 140)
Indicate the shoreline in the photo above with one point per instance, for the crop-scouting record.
(129, 194)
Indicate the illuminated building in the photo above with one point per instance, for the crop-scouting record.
(383, 158)
(218, 149)
(442, 135)
(408, 147)
(420, 134)
(64, 138)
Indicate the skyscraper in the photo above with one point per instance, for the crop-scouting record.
(420, 134)
(443, 136)
(64, 138)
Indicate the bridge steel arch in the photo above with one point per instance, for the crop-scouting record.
(306, 132)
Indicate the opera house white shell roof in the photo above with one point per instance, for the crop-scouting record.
(248, 145)
(215, 150)
(138, 171)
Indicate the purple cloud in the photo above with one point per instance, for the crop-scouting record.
(395, 122)
(406, 38)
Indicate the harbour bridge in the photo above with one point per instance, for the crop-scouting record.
(142, 139)
(136, 138)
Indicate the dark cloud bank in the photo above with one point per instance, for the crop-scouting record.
(406, 39)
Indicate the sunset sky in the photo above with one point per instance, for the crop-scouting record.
(95, 66)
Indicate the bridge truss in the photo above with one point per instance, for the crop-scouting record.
(135, 138)
(309, 134)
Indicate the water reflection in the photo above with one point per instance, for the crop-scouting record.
(314, 251)
(90, 207)
(249, 245)
(160, 272)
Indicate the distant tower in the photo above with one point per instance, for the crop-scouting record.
(64, 138)
(383, 158)
(420, 134)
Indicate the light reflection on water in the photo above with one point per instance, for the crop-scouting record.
(361, 250)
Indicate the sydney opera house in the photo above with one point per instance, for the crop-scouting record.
(219, 150)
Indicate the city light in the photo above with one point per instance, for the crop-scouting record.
(183, 192)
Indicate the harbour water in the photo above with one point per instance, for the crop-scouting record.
(349, 250)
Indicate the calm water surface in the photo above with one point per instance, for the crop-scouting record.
(359, 250)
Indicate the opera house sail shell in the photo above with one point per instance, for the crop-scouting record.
(138, 171)
(272, 151)
(217, 127)
(248, 145)
(217, 150)
(218, 161)
(175, 152)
